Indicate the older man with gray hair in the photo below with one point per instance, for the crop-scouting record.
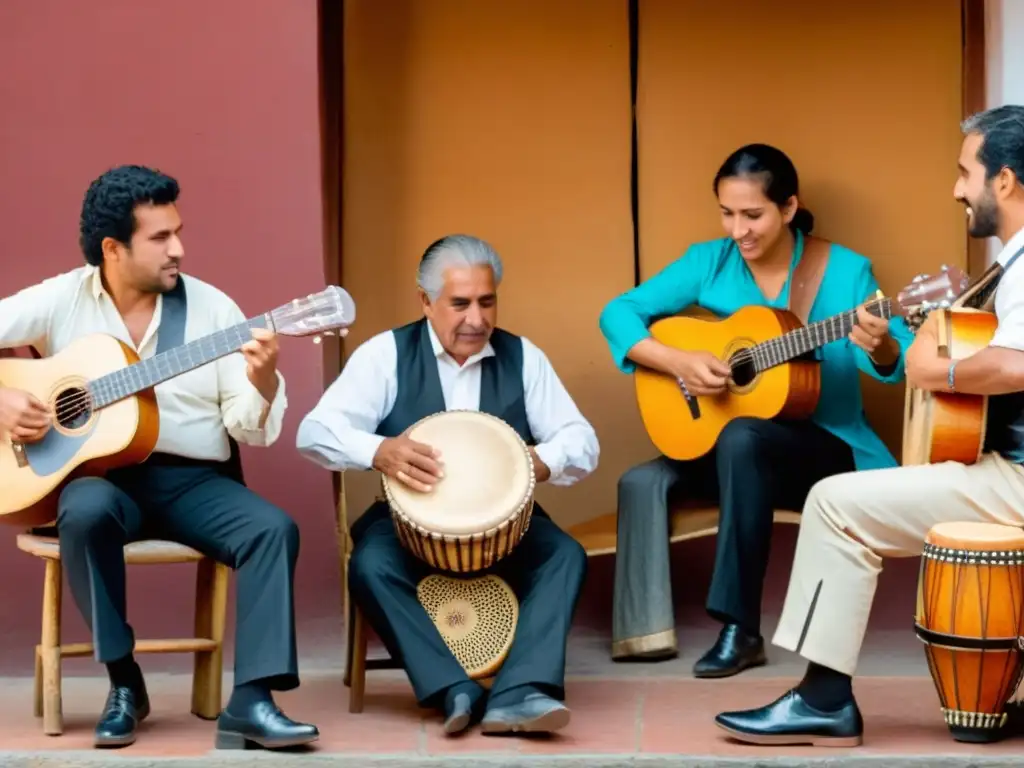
(455, 358)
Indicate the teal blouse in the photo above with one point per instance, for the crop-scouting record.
(714, 275)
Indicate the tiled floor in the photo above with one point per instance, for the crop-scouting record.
(618, 709)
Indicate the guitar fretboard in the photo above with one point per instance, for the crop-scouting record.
(788, 346)
(147, 373)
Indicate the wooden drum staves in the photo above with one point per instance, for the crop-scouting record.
(970, 602)
(481, 509)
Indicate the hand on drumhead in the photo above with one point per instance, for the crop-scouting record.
(413, 464)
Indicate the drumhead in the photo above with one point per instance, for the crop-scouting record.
(488, 475)
(976, 536)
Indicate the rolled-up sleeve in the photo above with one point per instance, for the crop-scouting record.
(247, 416)
(339, 433)
(625, 319)
(25, 317)
(566, 442)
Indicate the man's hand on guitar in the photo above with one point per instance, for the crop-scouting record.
(261, 354)
(22, 416)
(701, 372)
(414, 464)
(872, 335)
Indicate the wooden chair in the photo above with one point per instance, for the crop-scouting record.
(207, 644)
(688, 520)
(210, 613)
(356, 663)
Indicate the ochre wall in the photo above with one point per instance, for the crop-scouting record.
(511, 122)
(864, 97)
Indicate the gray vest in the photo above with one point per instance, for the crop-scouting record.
(419, 385)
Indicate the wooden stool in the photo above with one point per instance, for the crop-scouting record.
(692, 520)
(207, 645)
(356, 662)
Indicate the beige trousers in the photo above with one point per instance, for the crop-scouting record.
(851, 522)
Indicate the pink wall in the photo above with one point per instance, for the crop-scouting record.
(222, 94)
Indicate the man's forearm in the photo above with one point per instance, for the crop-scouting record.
(990, 371)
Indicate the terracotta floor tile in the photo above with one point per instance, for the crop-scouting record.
(604, 720)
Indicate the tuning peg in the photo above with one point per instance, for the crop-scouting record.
(316, 339)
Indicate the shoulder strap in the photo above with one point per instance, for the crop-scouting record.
(173, 311)
(807, 276)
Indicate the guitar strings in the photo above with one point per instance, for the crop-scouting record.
(83, 401)
(750, 354)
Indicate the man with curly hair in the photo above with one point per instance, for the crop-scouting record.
(190, 490)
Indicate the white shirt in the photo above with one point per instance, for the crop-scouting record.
(339, 434)
(1009, 303)
(198, 408)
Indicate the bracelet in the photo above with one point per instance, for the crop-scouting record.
(949, 377)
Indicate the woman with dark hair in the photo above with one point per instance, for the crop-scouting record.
(757, 465)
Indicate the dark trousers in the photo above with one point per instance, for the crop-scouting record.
(546, 571)
(197, 505)
(756, 466)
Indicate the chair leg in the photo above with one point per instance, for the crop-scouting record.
(49, 651)
(355, 696)
(350, 641)
(211, 608)
(37, 697)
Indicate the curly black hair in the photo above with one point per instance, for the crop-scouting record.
(108, 209)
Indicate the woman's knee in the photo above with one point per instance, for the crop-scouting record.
(648, 480)
(741, 439)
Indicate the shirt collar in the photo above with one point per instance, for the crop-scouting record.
(96, 282)
(439, 351)
(1013, 245)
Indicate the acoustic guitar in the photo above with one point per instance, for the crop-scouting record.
(104, 406)
(949, 426)
(770, 354)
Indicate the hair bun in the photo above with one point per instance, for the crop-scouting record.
(803, 221)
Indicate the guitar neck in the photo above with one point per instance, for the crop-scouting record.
(147, 373)
(800, 341)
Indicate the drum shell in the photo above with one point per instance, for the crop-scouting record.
(973, 602)
(463, 554)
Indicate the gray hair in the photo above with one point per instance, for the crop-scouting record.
(1002, 139)
(454, 251)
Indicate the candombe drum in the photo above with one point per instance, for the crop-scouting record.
(970, 600)
(475, 616)
(479, 511)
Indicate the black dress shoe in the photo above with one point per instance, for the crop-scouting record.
(791, 720)
(734, 651)
(124, 710)
(263, 726)
(459, 715)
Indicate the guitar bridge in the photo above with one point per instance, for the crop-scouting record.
(691, 401)
(19, 454)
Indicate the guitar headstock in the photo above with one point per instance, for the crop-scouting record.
(928, 292)
(315, 314)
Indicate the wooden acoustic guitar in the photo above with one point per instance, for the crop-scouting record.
(104, 407)
(770, 353)
(950, 426)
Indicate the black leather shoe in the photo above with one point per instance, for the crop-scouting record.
(791, 720)
(459, 715)
(124, 710)
(734, 651)
(263, 726)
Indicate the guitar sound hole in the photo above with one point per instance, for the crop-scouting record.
(743, 370)
(73, 408)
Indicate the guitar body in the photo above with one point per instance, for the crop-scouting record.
(120, 434)
(790, 390)
(944, 426)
